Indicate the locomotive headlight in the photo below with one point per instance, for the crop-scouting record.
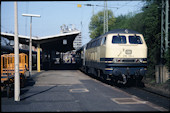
(137, 60)
(144, 60)
(114, 60)
(141, 60)
(117, 60)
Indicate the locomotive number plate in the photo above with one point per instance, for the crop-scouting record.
(128, 51)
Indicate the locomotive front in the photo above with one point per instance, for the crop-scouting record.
(126, 56)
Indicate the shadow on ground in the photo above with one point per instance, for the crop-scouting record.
(61, 67)
(29, 83)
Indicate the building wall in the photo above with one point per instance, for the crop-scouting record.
(77, 43)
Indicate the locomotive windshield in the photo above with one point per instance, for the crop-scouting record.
(119, 40)
(135, 40)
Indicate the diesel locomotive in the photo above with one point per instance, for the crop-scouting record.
(119, 55)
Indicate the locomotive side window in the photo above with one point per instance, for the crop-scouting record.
(135, 40)
(94, 43)
(99, 41)
(104, 41)
(119, 40)
(88, 45)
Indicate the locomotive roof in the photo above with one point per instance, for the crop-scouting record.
(125, 31)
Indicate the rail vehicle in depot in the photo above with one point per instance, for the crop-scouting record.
(8, 71)
(8, 49)
(119, 55)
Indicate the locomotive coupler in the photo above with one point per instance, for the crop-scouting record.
(124, 80)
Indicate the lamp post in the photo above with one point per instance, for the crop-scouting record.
(30, 43)
(16, 51)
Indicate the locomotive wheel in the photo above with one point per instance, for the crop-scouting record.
(86, 70)
(131, 82)
(98, 73)
(102, 75)
(114, 80)
(139, 83)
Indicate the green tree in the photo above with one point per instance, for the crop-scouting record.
(151, 30)
(96, 24)
(122, 22)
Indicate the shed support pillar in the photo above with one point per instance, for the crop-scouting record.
(38, 57)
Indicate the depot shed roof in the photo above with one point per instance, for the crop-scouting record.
(54, 42)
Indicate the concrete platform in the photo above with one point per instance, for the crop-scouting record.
(72, 90)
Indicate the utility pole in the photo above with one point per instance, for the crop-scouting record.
(16, 50)
(167, 25)
(164, 27)
(105, 25)
(164, 40)
(30, 50)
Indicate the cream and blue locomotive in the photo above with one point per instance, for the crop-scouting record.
(119, 55)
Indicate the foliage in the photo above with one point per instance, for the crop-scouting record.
(167, 58)
(96, 24)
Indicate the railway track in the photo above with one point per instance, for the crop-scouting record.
(141, 86)
(156, 92)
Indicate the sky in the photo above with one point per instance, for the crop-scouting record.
(56, 13)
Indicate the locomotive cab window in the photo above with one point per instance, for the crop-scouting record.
(119, 40)
(135, 40)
